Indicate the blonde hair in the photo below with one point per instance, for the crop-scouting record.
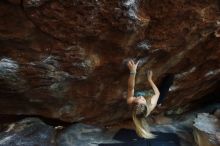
(141, 126)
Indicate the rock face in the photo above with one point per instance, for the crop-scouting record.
(28, 132)
(81, 135)
(207, 130)
(193, 128)
(34, 132)
(67, 59)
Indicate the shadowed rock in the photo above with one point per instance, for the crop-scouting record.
(81, 135)
(28, 132)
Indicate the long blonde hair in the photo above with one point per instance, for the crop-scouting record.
(141, 126)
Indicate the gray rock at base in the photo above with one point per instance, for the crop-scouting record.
(34, 132)
(28, 132)
(206, 130)
(85, 135)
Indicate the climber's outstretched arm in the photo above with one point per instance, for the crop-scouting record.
(156, 95)
(131, 81)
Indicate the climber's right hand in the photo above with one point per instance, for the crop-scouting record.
(132, 66)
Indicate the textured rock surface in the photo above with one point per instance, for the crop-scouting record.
(34, 132)
(66, 59)
(198, 127)
(81, 135)
(207, 130)
(28, 132)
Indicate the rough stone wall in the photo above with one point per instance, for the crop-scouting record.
(66, 59)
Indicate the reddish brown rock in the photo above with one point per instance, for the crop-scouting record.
(67, 59)
(33, 3)
(16, 2)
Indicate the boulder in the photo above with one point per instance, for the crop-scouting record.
(67, 59)
(28, 132)
(206, 130)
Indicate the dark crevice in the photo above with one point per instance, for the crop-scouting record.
(166, 82)
(7, 119)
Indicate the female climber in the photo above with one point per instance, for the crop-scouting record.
(141, 106)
